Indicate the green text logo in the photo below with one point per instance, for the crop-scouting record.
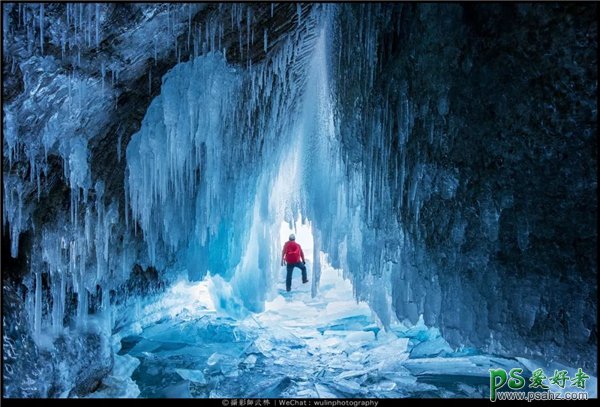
(515, 381)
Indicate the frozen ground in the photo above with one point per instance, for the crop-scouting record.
(327, 346)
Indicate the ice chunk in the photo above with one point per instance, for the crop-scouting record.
(214, 359)
(124, 366)
(250, 361)
(113, 387)
(350, 387)
(350, 374)
(360, 337)
(223, 298)
(263, 345)
(222, 363)
(465, 366)
(179, 391)
(119, 382)
(391, 342)
(385, 385)
(353, 322)
(432, 347)
(273, 387)
(325, 392)
(195, 376)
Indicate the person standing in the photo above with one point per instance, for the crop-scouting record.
(293, 256)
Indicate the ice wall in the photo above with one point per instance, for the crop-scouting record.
(469, 153)
(200, 170)
(79, 77)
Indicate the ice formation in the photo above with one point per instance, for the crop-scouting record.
(145, 145)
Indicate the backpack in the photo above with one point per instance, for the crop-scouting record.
(292, 253)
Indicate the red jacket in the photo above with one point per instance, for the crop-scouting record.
(292, 252)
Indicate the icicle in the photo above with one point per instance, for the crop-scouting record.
(248, 25)
(100, 238)
(58, 301)
(5, 27)
(155, 52)
(189, 25)
(73, 265)
(97, 24)
(103, 71)
(31, 168)
(212, 39)
(42, 28)
(63, 44)
(69, 86)
(90, 25)
(37, 318)
(106, 310)
(29, 40)
(220, 35)
(119, 141)
(88, 28)
(79, 94)
(206, 36)
(150, 83)
(82, 303)
(39, 186)
(169, 31)
(126, 210)
(87, 230)
(124, 262)
(80, 17)
(265, 44)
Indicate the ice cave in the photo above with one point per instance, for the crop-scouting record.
(436, 162)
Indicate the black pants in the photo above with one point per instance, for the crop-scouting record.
(290, 269)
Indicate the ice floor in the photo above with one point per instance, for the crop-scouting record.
(328, 346)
